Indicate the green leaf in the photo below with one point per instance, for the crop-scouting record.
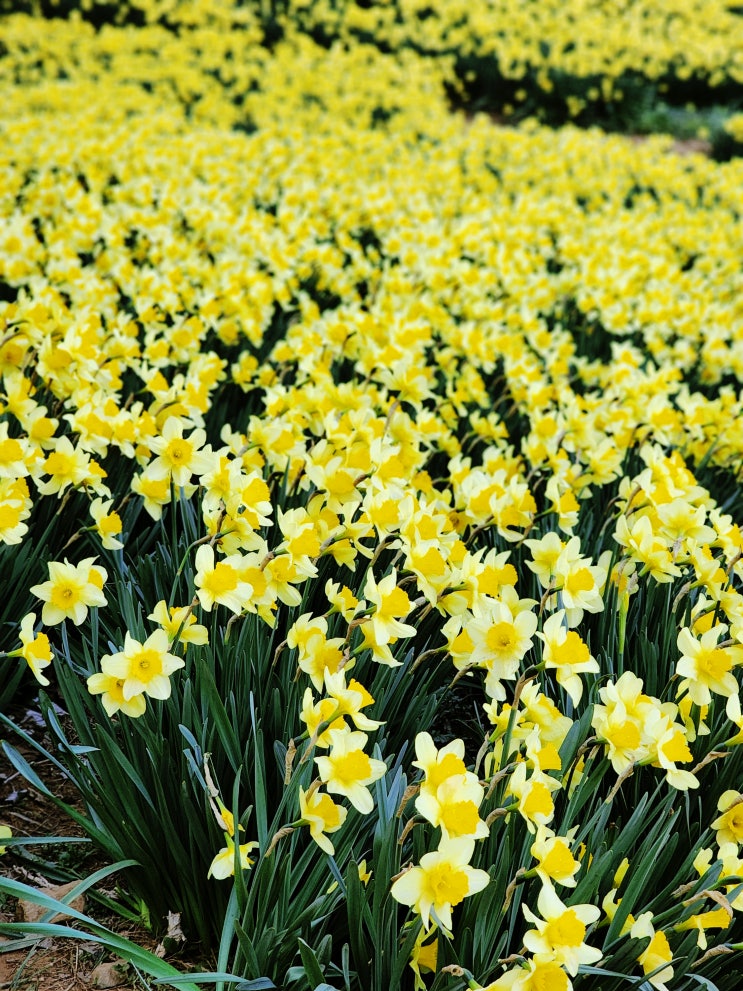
(228, 930)
(312, 968)
(705, 982)
(23, 767)
(403, 956)
(215, 977)
(359, 918)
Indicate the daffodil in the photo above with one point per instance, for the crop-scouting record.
(560, 933)
(350, 699)
(454, 807)
(15, 508)
(315, 714)
(533, 975)
(155, 491)
(180, 622)
(440, 882)
(390, 604)
(657, 952)
(424, 956)
(566, 654)
(534, 795)
(70, 591)
(438, 765)
(716, 918)
(348, 771)
(66, 466)
(729, 824)
(223, 864)
(318, 654)
(142, 667)
(179, 457)
(107, 523)
(220, 582)
(555, 862)
(704, 667)
(35, 649)
(500, 640)
(322, 815)
(111, 689)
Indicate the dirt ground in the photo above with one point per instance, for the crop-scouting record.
(53, 964)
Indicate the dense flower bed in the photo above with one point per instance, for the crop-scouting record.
(632, 64)
(369, 487)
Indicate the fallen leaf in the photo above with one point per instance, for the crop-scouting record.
(109, 975)
(30, 912)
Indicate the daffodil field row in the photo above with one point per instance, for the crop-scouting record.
(631, 65)
(369, 501)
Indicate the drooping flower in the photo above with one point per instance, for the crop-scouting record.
(107, 523)
(223, 864)
(566, 654)
(322, 815)
(657, 953)
(35, 649)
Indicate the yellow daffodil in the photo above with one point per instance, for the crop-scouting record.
(322, 815)
(107, 523)
(179, 457)
(348, 771)
(705, 667)
(555, 862)
(142, 667)
(70, 591)
(657, 953)
(179, 621)
(533, 975)
(440, 882)
(111, 690)
(223, 864)
(35, 649)
(566, 654)
(390, 604)
(220, 582)
(560, 933)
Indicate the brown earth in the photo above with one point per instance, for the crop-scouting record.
(53, 964)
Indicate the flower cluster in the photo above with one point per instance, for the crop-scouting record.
(403, 447)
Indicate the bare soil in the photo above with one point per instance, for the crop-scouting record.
(53, 964)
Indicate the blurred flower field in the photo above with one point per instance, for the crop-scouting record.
(370, 485)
